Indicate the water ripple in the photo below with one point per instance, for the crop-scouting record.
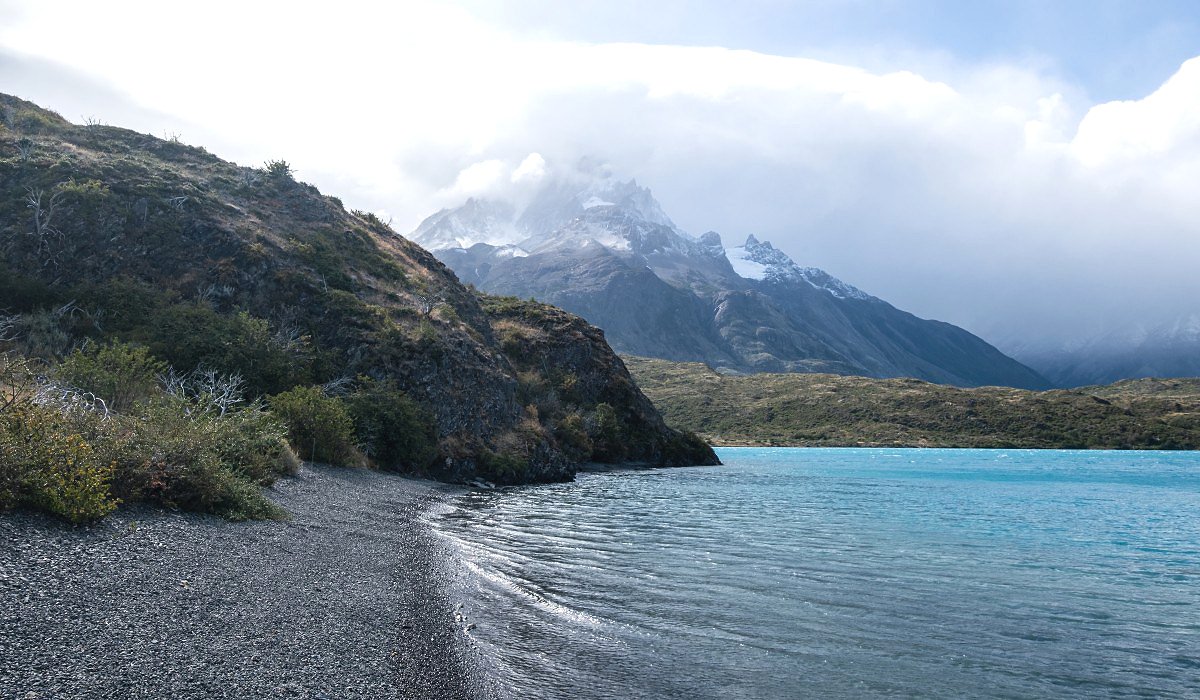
(844, 573)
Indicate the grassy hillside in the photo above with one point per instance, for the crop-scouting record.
(118, 239)
(830, 410)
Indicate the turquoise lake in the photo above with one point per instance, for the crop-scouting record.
(842, 573)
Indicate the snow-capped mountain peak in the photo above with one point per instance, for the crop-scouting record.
(564, 200)
(557, 203)
(476, 221)
(589, 207)
(759, 260)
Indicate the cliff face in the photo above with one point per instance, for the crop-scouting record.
(158, 242)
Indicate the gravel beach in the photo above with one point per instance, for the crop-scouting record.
(346, 600)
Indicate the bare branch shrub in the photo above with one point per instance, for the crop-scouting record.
(338, 387)
(67, 399)
(426, 303)
(25, 148)
(9, 326)
(208, 390)
(43, 208)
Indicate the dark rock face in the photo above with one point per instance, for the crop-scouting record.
(136, 212)
(614, 258)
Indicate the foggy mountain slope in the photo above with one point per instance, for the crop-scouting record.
(605, 249)
(1170, 349)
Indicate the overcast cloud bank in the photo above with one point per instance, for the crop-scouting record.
(996, 197)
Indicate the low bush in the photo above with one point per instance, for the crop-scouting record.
(319, 427)
(47, 464)
(573, 438)
(61, 455)
(502, 468)
(608, 438)
(120, 374)
(393, 431)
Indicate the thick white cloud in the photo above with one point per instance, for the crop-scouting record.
(1132, 130)
(993, 196)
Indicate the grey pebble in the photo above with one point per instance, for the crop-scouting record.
(346, 600)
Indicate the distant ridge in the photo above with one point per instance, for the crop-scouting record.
(837, 411)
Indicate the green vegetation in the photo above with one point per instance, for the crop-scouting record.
(392, 430)
(586, 402)
(194, 315)
(65, 450)
(832, 410)
(125, 375)
(319, 426)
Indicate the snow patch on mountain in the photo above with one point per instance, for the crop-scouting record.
(744, 266)
(511, 251)
(595, 201)
(759, 260)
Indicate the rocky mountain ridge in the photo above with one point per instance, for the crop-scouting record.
(605, 249)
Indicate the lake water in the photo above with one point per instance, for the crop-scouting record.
(827, 573)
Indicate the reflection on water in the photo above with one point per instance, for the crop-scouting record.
(844, 573)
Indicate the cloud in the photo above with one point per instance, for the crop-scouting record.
(531, 170)
(994, 196)
(1134, 130)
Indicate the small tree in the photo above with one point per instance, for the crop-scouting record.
(25, 148)
(608, 440)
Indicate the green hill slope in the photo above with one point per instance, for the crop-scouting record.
(831, 410)
(108, 234)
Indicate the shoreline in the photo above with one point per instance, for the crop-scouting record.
(914, 446)
(350, 598)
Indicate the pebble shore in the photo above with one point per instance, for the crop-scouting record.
(347, 599)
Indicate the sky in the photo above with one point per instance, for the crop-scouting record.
(1024, 169)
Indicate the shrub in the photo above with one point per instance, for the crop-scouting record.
(174, 454)
(120, 374)
(319, 426)
(573, 437)
(16, 380)
(47, 464)
(72, 484)
(392, 429)
(502, 468)
(608, 438)
(79, 465)
(279, 169)
(192, 335)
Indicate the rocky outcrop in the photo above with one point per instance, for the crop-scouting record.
(148, 236)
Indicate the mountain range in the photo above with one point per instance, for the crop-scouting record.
(1163, 349)
(605, 249)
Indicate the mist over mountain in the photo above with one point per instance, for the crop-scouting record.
(1164, 349)
(604, 248)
